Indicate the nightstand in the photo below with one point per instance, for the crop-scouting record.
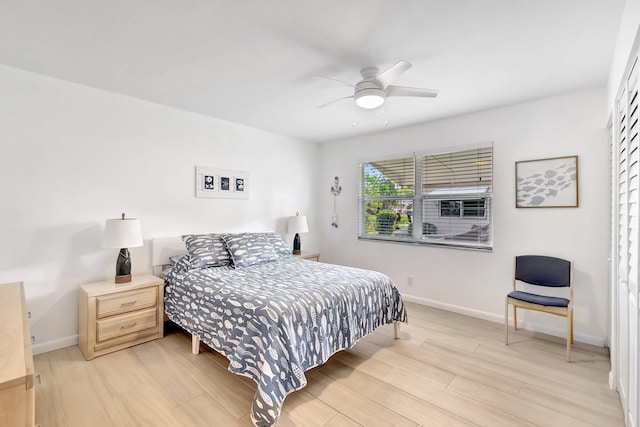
(115, 316)
(311, 256)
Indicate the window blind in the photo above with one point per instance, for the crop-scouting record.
(389, 178)
(628, 169)
(632, 177)
(459, 184)
(455, 170)
(627, 140)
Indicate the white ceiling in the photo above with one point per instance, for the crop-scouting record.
(253, 62)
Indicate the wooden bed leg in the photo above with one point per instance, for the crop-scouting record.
(195, 344)
(396, 329)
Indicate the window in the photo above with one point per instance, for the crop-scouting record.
(434, 199)
(450, 208)
(462, 208)
(389, 190)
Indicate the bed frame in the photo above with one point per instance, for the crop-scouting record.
(165, 247)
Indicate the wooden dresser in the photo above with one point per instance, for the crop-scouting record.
(115, 316)
(17, 388)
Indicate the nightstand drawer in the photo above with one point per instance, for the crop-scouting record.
(125, 324)
(125, 302)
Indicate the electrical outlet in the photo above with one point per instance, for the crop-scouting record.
(410, 281)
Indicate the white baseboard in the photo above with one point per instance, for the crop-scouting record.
(612, 381)
(52, 345)
(499, 318)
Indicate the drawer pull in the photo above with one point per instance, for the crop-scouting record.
(128, 304)
(128, 326)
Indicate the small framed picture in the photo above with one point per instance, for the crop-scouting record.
(547, 183)
(209, 182)
(225, 183)
(239, 184)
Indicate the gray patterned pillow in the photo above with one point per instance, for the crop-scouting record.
(248, 249)
(206, 250)
(173, 259)
(279, 246)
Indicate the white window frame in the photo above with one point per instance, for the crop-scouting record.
(478, 236)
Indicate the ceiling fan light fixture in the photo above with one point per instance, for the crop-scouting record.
(371, 92)
(369, 98)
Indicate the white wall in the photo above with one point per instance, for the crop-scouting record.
(475, 282)
(72, 156)
(628, 42)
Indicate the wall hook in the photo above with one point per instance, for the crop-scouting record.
(336, 189)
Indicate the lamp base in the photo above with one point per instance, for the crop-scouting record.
(296, 245)
(123, 266)
(123, 278)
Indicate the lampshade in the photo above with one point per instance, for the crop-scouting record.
(122, 233)
(297, 224)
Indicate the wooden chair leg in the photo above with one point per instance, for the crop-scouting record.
(506, 321)
(515, 318)
(572, 326)
(568, 338)
(569, 333)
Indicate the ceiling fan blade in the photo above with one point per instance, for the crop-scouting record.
(335, 100)
(387, 77)
(336, 80)
(411, 91)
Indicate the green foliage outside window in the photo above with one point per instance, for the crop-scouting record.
(386, 221)
(371, 221)
(384, 216)
(403, 221)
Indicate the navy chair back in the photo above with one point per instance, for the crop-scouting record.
(543, 270)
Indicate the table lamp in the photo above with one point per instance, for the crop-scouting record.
(297, 224)
(123, 233)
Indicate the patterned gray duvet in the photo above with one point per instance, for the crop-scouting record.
(274, 321)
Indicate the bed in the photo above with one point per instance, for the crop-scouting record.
(274, 316)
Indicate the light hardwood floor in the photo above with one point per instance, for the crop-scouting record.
(445, 370)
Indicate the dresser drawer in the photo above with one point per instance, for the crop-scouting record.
(125, 324)
(124, 302)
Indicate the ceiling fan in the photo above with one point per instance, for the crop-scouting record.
(370, 92)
